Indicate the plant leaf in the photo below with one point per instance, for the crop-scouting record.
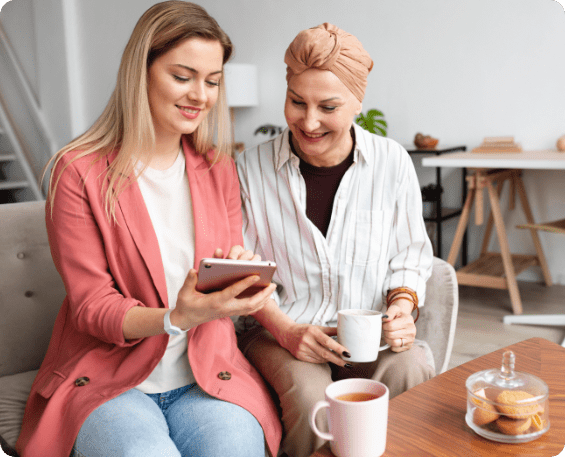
(371, 123)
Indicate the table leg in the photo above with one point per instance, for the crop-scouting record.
(466, 235)
(461, 228)
(504, 250)
(488, 230)
(479, 205)
(535, 237)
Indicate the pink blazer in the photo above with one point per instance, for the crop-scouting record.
(107, 269)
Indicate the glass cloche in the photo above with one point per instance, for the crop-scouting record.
(507, 406)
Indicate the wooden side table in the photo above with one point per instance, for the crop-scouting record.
(492, 269)
(498, 168)
(429, 419)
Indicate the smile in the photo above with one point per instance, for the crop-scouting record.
(313, 135)
(190, 113)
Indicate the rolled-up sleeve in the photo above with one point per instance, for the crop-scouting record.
(411, 251)
(96, 305)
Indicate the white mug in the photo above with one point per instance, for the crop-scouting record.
(357, 426)
(359, 330)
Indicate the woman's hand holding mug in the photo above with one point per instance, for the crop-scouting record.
(398, 326)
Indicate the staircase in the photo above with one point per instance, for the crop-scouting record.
(26, 144)
(17, 181)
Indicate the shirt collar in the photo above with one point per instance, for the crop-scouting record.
(284, 154)
(361, 150)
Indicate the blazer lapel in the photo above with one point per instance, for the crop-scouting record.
(197, 169)
(139, 224)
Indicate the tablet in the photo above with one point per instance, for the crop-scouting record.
(217, 274)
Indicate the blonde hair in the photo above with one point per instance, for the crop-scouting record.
(126, 124)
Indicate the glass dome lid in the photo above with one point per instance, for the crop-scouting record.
(506, 379)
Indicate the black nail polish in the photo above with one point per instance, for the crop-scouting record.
(346, 354)
(348, 365)
(385, 316)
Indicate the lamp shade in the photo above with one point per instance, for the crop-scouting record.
(241, 84)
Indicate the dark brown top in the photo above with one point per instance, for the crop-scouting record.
(321, 186)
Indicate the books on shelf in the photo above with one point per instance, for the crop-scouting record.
(498, 144)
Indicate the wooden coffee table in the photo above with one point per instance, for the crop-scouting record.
(429, 419)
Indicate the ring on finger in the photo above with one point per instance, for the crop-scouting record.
(402, 341)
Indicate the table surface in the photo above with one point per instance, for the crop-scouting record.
(429, 419)
(540, 160)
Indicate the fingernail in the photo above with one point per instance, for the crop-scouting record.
(385, 316)
(346, 354)
(348, 365)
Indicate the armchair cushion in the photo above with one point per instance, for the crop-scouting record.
(14, 390)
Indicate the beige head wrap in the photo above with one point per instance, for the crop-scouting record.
(327, 47)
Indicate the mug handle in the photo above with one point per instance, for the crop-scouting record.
(382, 348)
(319, 405)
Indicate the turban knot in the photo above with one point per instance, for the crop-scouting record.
(327, 47)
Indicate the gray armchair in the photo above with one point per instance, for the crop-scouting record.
(31, 293)
(438, 317)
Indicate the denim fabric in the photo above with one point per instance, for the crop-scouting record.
(183, 422)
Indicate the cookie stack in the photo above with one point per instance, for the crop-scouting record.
(509, 412)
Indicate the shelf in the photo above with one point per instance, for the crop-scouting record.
(553, 227)
(436, 151)
(446, 213)
(488, 270)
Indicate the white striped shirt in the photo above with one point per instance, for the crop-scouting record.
(376, 239)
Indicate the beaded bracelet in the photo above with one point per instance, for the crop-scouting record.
(393, 295)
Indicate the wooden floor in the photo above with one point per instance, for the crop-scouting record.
(479, 324)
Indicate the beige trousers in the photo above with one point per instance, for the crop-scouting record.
(299, 385)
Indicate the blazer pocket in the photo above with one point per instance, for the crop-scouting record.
(50, 384)
(364, 237)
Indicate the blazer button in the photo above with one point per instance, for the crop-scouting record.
(224, 375)
(82, 381)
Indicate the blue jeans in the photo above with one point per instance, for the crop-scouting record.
(183, 422)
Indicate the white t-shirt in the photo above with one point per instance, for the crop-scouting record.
(167, 197)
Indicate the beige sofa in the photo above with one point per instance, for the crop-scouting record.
(31, 293)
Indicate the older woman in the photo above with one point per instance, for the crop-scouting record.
(339, 210)
(140, 363)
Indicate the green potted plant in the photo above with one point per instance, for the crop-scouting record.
(373, 122)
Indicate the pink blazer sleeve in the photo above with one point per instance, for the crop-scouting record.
(76, 230)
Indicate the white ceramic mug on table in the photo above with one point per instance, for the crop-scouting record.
(356, 428)
(359, 330)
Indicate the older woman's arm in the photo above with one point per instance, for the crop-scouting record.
(411, 257)
(309, 343)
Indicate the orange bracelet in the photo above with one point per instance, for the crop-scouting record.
(392, 296)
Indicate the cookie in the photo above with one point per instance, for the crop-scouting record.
(537, 423)
(484, 413)
(513, 426)
(510, 403)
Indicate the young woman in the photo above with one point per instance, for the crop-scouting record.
(139, 363)
(339, 209)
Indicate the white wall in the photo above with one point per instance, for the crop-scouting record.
(458, 70)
